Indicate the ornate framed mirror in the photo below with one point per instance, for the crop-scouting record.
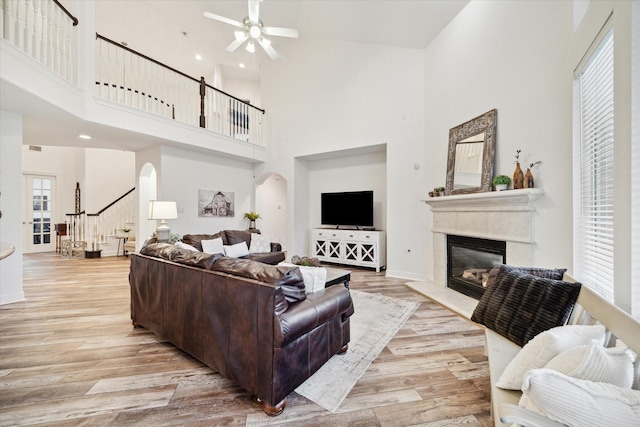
(471, 153)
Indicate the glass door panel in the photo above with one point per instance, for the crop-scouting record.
(41, 203)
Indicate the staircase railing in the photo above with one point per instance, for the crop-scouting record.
(43, 29)
(131, 78)
(110, 220)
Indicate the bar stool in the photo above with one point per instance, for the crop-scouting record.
(61, 230)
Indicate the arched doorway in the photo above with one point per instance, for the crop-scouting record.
(271, 204)
(148, 190)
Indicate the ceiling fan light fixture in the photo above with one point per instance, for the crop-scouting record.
(252, 30)
(255, 32)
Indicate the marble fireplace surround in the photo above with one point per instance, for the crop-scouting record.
(498, 215)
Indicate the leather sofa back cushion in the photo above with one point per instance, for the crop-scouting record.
(233, 237)
(173, 253)
(288, 279)
(195, 239)
(519, 306)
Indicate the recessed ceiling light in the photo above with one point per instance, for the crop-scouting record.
(241, 65)
(198, 57)
(83, 136)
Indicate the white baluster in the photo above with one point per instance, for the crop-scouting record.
(119, 72)
(64, 48)
(36, 36)
(8, 29)
(2, 18)
(43, 32)
(56, 40)
(27, 28)
(99, 67)
(17, 41)
(126, 77)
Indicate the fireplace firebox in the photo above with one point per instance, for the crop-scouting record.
(469, 260)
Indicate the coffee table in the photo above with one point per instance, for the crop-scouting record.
(337, 276)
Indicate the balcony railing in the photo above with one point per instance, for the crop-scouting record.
(130, 78)
(45, 31)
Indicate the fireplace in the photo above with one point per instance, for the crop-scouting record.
(469, 260)
(507, 216)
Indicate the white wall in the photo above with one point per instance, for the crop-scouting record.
(60, 162)
(183, 173)
(11, 206)
(104, 175)
(487, 58)
(108, 175)
(326, 96)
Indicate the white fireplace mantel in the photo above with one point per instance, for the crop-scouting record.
(508, 200)
(497, 215)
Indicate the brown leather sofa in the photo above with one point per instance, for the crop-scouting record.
(232, 237)
(251, 322)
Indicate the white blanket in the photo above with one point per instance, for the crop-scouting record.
(315, 278)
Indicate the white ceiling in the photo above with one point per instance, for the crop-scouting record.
(156, 28)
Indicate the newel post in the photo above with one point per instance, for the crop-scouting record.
(203, 87)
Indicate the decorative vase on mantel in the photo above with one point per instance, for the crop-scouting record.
(518, 177)
(528, 179)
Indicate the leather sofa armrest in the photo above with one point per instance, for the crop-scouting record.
(276, 247)
(315, 310)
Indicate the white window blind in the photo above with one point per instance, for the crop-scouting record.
(594, 248)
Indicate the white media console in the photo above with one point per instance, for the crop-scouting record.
(352, 247)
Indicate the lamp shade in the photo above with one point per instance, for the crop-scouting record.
(159, 209)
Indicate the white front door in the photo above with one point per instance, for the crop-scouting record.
(40, 203)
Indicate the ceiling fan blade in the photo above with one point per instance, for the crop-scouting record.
(254, 10)
(266, 45)
(223, 19)
(281, 32)
(238, 41)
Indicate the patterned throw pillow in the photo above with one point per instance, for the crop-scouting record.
(260, 243)
(519, 306)
(594, 362)
(578, 402)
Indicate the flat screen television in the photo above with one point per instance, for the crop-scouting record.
(352, 208)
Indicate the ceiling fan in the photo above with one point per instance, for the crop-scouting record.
(252, 29)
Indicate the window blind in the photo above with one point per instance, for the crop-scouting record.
(594, 193)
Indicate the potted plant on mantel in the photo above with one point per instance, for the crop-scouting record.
(501, 182)
(252, 217)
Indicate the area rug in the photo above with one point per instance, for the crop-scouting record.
(376, 320)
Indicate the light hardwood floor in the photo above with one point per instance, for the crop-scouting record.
(70, 357)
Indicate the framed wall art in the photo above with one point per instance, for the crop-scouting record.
(216, 203)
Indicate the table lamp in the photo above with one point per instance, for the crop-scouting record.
(162, 210)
